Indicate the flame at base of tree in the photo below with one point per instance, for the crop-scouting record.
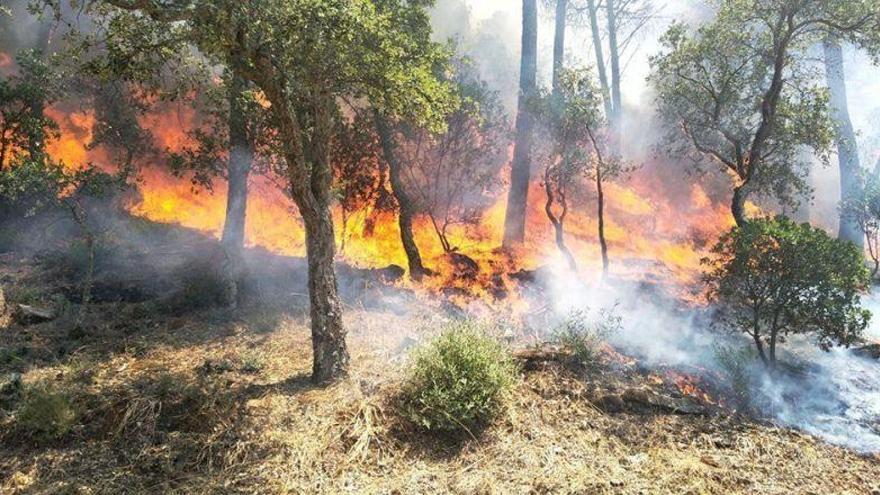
(654, 235)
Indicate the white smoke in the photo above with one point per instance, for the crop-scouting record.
(833, 395)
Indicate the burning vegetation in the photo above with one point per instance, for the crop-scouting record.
(307, 246)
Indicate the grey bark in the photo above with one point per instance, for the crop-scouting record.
(559, 43)
(847, 150)
(600, 58)
(517, 199)
(614, 54)
(241, 155)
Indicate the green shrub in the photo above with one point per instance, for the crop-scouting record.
(583, 337)
(46, 413)
(773, 278)
(460, 381)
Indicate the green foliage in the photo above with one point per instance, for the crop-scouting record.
(863, 207)
(742, 93)
(459, 382)
(24, 129)
(583, 337)
(773, 277)
(46, 413)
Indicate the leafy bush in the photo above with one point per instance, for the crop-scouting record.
(458, 382)
(773, 277)
(46, 413)
(583, 337)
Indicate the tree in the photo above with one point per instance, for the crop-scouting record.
(520, 170)
(405, 204)
(845, 137)
(772, 278)
(450, 173)
(559, 41)
(580, 150)
(739, 92)
(304, 56)
(29, 179)
(862, 209)
(232, 144)
(624, 22)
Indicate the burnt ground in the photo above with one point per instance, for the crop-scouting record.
(173, 395)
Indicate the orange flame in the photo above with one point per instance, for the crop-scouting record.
(650, 235)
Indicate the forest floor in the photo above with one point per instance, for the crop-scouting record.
(171, 400)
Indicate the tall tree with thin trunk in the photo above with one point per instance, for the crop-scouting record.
(614, 55)
(559, 42)
(845, 138)
(520, 170)
(599, 54)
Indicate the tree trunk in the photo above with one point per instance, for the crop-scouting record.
(771, 360)
(616, 100)
(517, 199)
(241, 156)
(559, 43)
(600, 198)
(36, 106)
(406, 209)
(738, 205)
(847, 150)
(330, 352)
(79, 216)
(760, 347)
(558, 222)
(600, 59)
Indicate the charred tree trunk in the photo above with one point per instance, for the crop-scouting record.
(517, 199)
(559, 43)
(738, 205)
(847, 151)
(600, 58)
(405, 204)
(600, 198)
(616, 100)
(241, 155)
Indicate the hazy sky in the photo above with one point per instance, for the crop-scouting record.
(863, 78)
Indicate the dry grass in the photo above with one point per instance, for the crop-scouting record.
(220, 402)
(158, 422)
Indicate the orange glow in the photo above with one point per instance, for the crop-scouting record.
(652, 235)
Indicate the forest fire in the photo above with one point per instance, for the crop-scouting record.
(651, 236)
(395, 246)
